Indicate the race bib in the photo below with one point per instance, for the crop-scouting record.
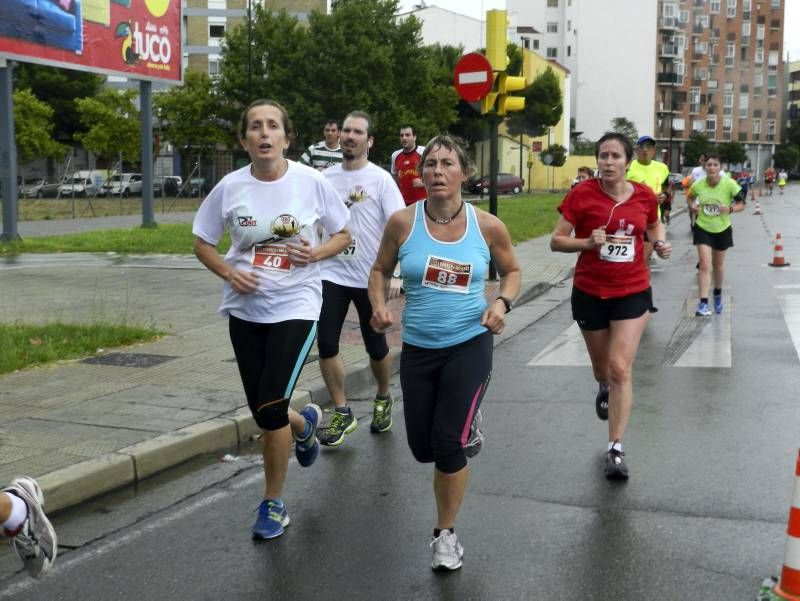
(271, 257)
(351, 252)
(618, 249)
(446, 275)
(711, 210)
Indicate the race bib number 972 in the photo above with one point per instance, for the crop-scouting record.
(447, 275)
(618, 249)
(272, 257)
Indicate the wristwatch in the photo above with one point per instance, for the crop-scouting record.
(506, 302)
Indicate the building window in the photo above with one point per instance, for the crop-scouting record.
(552, 27)
(535, 44)
(712, 84)
(727, 125)
(715, 6)
(745, 28)
(698, 125)
(776, 3)
(731, 8)
(552, 3)
(216, 31)
(569, 50)
(759, 56)
(552, 53)
(727, 103)
(730, 53)
(772, 85)
(775, 24)
(569, 25)
(213, 68)
(756, 127)
(773, 59)
(683, 16)
(526, 43)
(770, 130)
(711, 127)
(747, 5)
(760, 31)
(744, 100)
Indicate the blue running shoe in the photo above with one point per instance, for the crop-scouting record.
(307, 449)
(703, 310)
(718, 304)
(272, 520)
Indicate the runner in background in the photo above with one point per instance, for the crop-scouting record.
(406, 166)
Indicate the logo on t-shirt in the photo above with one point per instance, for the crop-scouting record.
(285, 226)
(247, 221)
(356, 194)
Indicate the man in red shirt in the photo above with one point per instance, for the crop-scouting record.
(406, 167)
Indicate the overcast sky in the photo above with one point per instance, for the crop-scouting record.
(478, 8)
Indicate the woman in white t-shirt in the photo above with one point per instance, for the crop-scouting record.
(273, 289)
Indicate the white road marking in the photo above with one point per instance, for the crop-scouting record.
(790, 305)
(567, 349)
(712, 347)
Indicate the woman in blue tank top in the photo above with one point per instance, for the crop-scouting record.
(444, 247)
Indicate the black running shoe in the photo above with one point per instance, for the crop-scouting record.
(601, 403)
(616, 468)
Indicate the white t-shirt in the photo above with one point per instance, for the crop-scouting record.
(262, 217)
(698, 173)
(372, 197)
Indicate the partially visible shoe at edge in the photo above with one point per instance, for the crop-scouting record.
(381, 415)
(718, 306)
(447, 552)
(307, 449)
(475, 439)
(616, 468)
(35, 541)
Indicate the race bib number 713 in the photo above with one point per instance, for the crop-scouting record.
(447, 275)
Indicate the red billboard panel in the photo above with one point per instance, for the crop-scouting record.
(139, 39)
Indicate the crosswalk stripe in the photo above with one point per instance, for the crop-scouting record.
(790, 306)
(711, 346)
(567, 349)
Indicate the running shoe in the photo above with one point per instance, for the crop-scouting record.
(475, 440)
(601, 403)
(341, 425)
(447, 551)
(35, 540)
(718, 304)
(307, 449)
(616, 468)
(381, 415)
(271, 521)
(703, 310)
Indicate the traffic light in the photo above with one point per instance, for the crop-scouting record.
(496, 42)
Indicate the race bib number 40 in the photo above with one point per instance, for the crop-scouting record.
(272, 257)
(618, 249)
(446, 275)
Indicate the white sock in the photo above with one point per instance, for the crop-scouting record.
(19, 511)
(615, 444)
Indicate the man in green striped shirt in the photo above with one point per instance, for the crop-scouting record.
(323, 154)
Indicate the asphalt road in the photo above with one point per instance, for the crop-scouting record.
(711, 446)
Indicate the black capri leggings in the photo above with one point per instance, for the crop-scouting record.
(442, 390)
(335, 302)
(270, 357)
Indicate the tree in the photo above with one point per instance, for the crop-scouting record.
(584, 146)
(112, 122)
(543, 106)
(59, 88)
(558, 155)
(732, 153)
(697, 144)
(192, 116)
(357, 57)
(33, 128)
(787, 156)
(624, 126)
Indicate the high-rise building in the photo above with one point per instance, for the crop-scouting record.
(670, 66)
(793, 93)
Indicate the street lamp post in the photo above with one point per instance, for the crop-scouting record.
(249, 50)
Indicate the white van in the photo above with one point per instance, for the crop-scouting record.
(83, 183)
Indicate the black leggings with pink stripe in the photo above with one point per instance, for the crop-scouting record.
(442, 390)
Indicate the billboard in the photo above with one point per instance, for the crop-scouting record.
(139, 39)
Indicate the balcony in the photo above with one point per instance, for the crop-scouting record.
(670, 23)
(667, 79)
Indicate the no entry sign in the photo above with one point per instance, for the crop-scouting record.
(473, 77)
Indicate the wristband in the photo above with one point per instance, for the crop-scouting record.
(506, 302)
(658, 243)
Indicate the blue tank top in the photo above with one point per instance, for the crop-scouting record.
(444, 284)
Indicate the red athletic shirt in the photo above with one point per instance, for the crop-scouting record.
(588, 207)
(405, 166)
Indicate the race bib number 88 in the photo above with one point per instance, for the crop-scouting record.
(446, 275)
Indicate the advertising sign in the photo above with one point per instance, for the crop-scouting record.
(139, 39)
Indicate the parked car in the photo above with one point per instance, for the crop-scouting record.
(82, 183)
(506, 182)
(197, 186)
(168, 184)
(40, 187)
(123, 184)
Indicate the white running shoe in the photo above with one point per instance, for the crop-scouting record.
(447, 551)
(35, 540)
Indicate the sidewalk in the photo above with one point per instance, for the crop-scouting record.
(86, 427)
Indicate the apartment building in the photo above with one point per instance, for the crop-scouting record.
(206, 21)
(793, 92)
(721, 73)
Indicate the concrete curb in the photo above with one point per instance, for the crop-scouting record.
(79, 482)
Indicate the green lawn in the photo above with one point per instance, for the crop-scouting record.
(527, 215)
(28, 345)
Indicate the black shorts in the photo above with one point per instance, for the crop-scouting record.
(595, 313)
(335, 302)
(720, 241)
(666, 205)
(270, 357)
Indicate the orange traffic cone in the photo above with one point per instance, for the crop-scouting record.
(758, 209)
(777, 259)
(789, 585)
(752, 194)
